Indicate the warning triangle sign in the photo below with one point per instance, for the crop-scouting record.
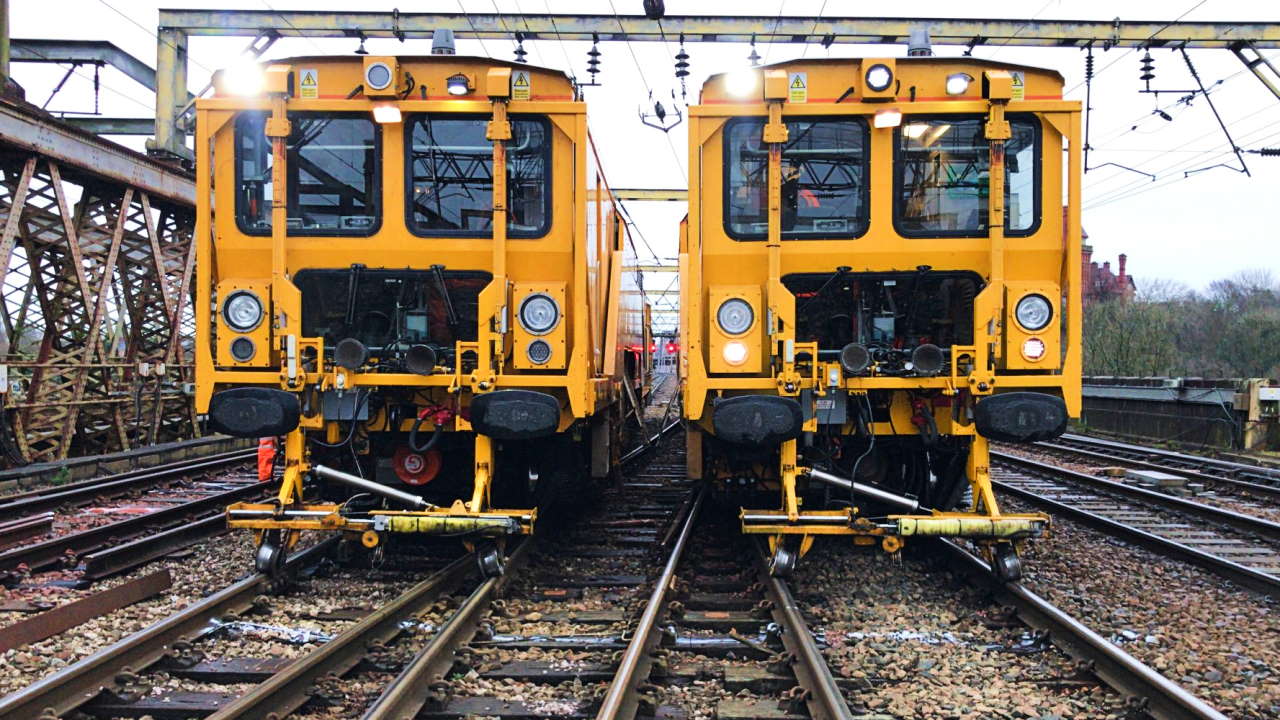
(797, 82)
(308, 78)
(522, 80)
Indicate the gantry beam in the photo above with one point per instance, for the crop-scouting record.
(646, 194)
(39, 50)
(113, 125)
(177, 26)
(721, 28)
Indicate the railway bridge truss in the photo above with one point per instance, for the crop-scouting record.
(96, 266)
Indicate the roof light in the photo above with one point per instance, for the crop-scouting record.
(958, 83)
(879, 77)
(386, 113)
(458, 84)
(742, 83)
(243, 77)
(888, 118)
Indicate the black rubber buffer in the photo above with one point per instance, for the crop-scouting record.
(253, 412)
(515, 414)
(1021, 417)
(757, 419)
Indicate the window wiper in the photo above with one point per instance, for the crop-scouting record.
(437, 271)
(353, 291)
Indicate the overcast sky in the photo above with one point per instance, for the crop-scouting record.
(1192, 230)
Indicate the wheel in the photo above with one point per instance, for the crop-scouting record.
(1007, 565)
(490, 561)
(784, 560)
(269, 560)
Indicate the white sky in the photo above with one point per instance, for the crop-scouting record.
(1191, 230)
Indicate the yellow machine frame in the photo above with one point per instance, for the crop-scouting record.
(710, 261)
(580, 260)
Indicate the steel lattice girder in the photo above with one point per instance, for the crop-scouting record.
(95, 283)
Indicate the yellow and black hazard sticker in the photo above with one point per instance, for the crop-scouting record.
(1019, 85)
(309, 83)
(798, 87)
(520, 86)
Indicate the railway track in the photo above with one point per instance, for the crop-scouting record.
(1233, 477)
(1239, 547)
(107, 487)
(106, 549)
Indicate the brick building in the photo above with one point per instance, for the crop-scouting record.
(1100, 282)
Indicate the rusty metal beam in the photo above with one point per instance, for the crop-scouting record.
(646, 194)
(64, 617)
(31, 132)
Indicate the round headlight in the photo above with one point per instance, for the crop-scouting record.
(735, 316)
(377, 76)
(539, 314)
(242, 311)
(734, 352)
(878, 77)
(1033, 312)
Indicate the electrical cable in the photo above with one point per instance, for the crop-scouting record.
(1108, 66)
(351, 430)
(814, 31)
(474, 31)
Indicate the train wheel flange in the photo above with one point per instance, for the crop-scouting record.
(784, 559)
(489, 558)
(1005, 563)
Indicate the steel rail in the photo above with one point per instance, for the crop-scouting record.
(1233, 571)
(1237, 521)
(823, 699)
(288, 690)
(409, 692)
(1203, 461)
(649, 444)
(14, 532)
(79, 682)
(1270, 491)
(1166, 700)
(620, 701)
(51, 498)
(53, 550)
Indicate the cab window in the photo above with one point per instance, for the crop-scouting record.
(824, 171)
(450, 167)
(333, 165)
(942, 173)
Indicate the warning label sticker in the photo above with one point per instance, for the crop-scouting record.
(520, 85)
(309, 83)
(1019, 85)
(798, 87)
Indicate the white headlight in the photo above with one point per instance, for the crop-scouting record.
(1034, 312)
(243, 77)
(879, 77)
(539, 314)
(958, 83)
(735, 353)
(242, 311)
(742, 83)
(735, 316)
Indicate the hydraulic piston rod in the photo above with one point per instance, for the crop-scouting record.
(369, 486)
(905, 504)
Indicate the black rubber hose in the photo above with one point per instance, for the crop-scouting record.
(413, 436)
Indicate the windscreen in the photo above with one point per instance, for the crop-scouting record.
(450, 190)
(944, 166)
(824, 168)
(332, 163)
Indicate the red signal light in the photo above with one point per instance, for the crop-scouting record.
(672, 348)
